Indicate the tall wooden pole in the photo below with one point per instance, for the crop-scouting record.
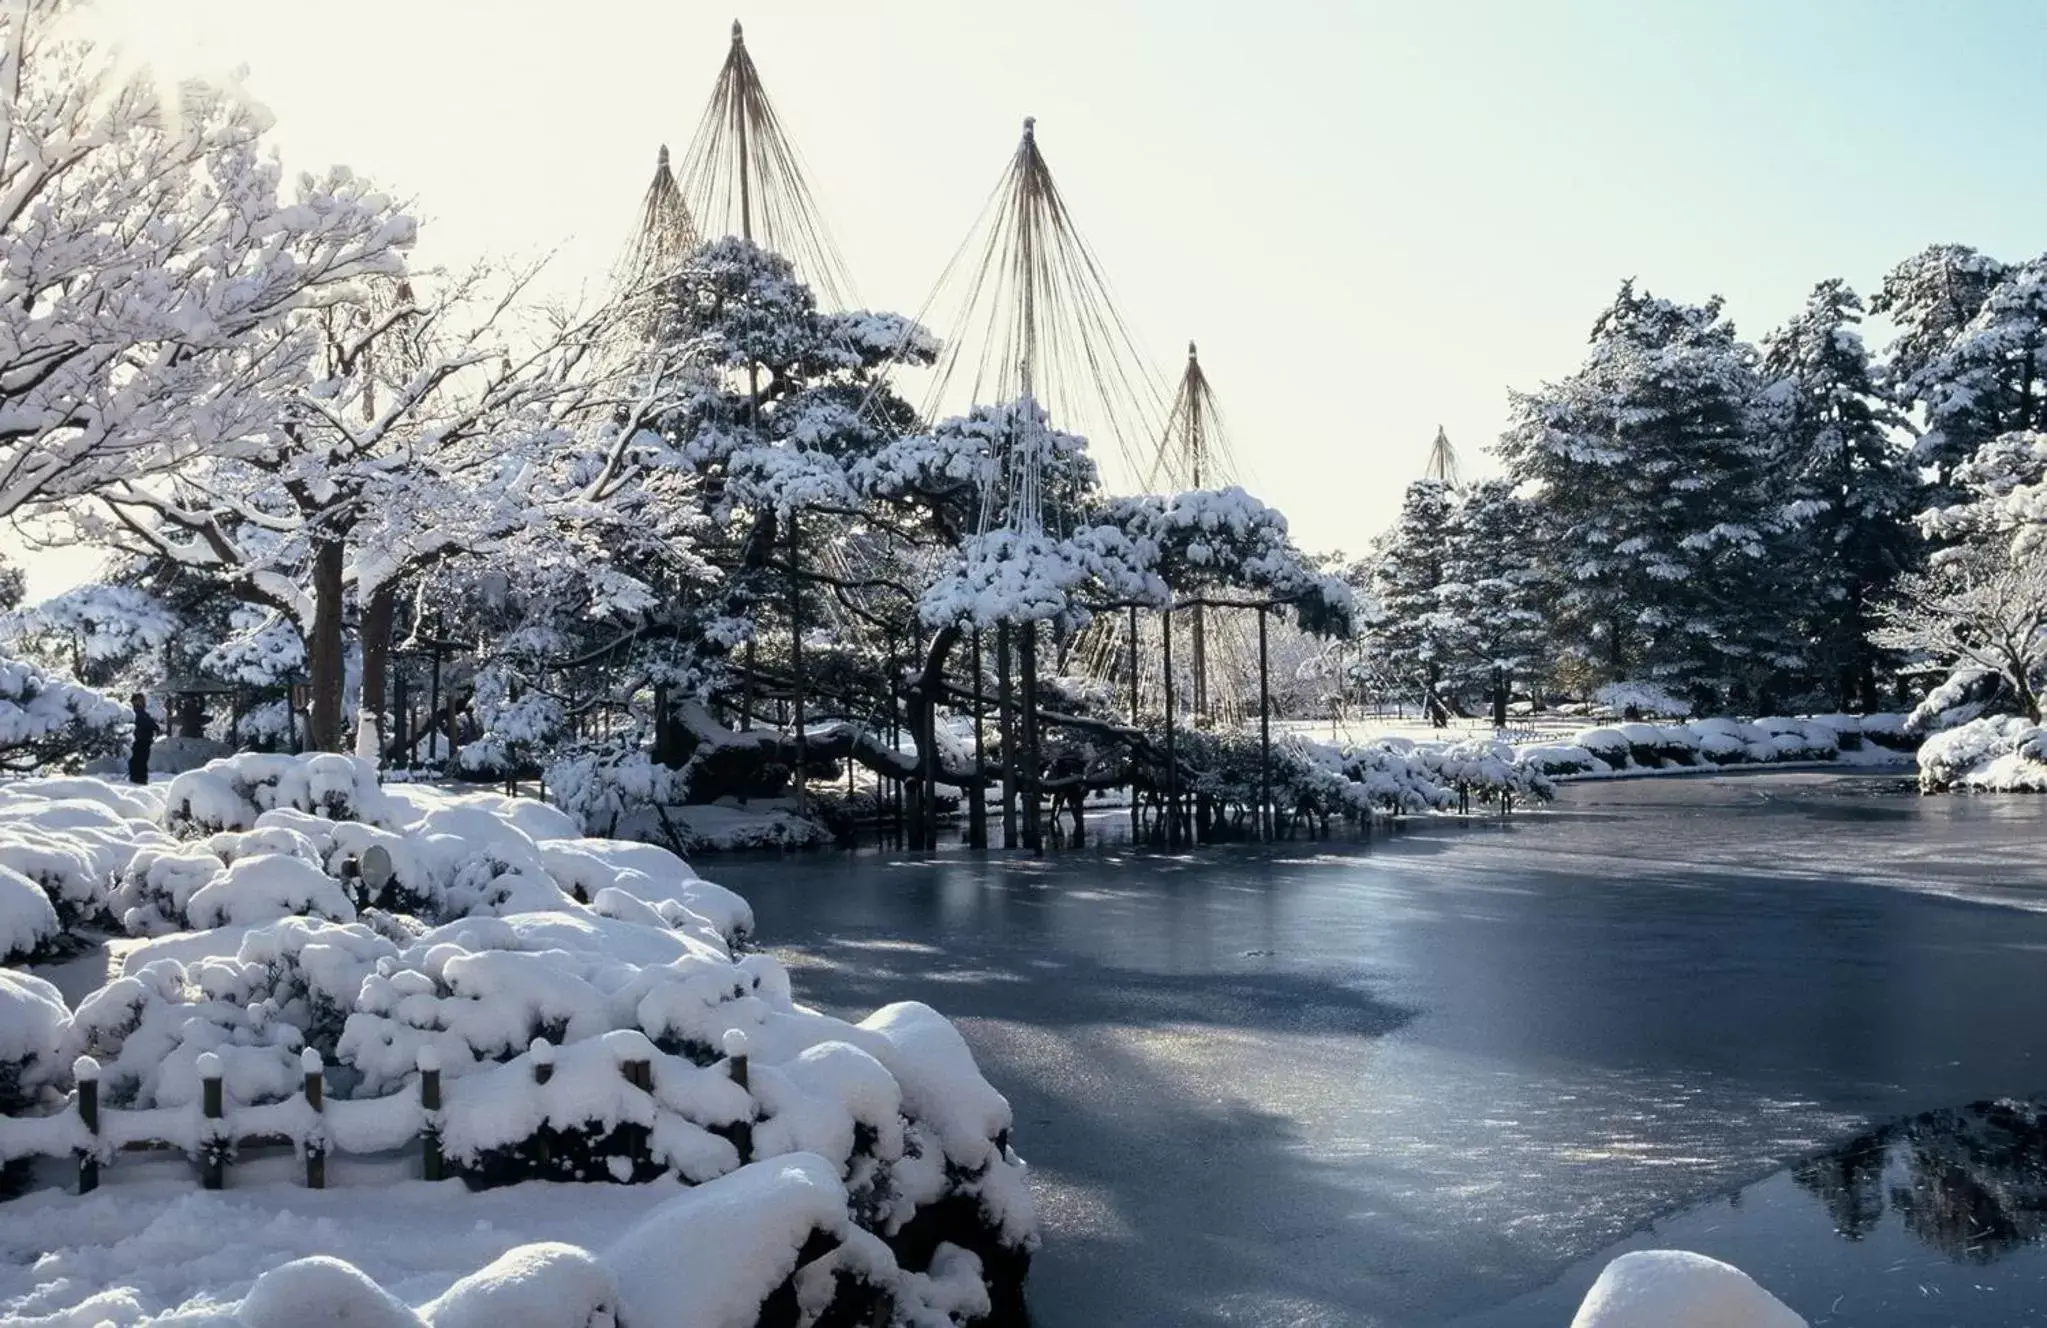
(1034, 828)
(1006, 726)
(1172, 762)
(1136, 812)
(977, 792)
(1265, 818)
(796, 664)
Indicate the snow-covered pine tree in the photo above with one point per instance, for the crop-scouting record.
(1930, 299)
(1846, 493)
(1491, 594)
(1645, 475)
(1414, 639)
(1992, 380)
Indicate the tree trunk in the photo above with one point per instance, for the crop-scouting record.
(922, 700)
(325, 661)
(1006, 714)
(376, 655)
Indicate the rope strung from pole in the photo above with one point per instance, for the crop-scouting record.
(1032, 318)
(742, 176)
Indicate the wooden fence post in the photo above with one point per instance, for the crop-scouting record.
(736, 1064)
(213, 1137)
(429, 1062)
(542, 1052)
(316, 1138)
(87, 1071)
(639, 1072)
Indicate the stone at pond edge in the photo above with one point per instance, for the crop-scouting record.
(1679, 1289)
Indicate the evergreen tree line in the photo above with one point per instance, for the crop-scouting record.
(1722, 520)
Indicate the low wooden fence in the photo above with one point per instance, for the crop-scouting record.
(308, 1124)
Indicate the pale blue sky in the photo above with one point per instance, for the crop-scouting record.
(1374, 217)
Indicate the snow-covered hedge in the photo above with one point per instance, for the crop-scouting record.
(770, 1243)
(530, 967)
(1717, 742)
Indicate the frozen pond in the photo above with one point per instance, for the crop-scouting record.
(1432, 1078)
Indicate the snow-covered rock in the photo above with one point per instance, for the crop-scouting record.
(1678, 1289)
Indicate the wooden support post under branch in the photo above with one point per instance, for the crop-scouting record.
(316, 1141)
(430, 1160)
(87, 1071)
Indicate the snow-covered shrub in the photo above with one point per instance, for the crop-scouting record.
(724, 1248)
(1722, 746)
(772, 1243)
(1655, 746)
(602, 784)
(1562, 758)
(1393, 780)
(264, 887)
(1608, 745)
(1487, 770)
(68, 874)
(2006, 754)
(230, 794)
(46, 722)
(1798, 740)
(517, 730)
(157, 885)
(148, 1029)
(32, 1022)
(28, 920)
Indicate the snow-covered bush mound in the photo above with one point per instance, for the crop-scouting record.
(230, 794)
(2006, 754)
(446, 856)
(579, 1002)
(28, 920)
(1678, 1289)
(772, 1243)
(1562, 759)
(1718, 741)
(48, 723)
(32, 1019)
(1487, 770)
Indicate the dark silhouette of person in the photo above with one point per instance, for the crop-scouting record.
(145, 736)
